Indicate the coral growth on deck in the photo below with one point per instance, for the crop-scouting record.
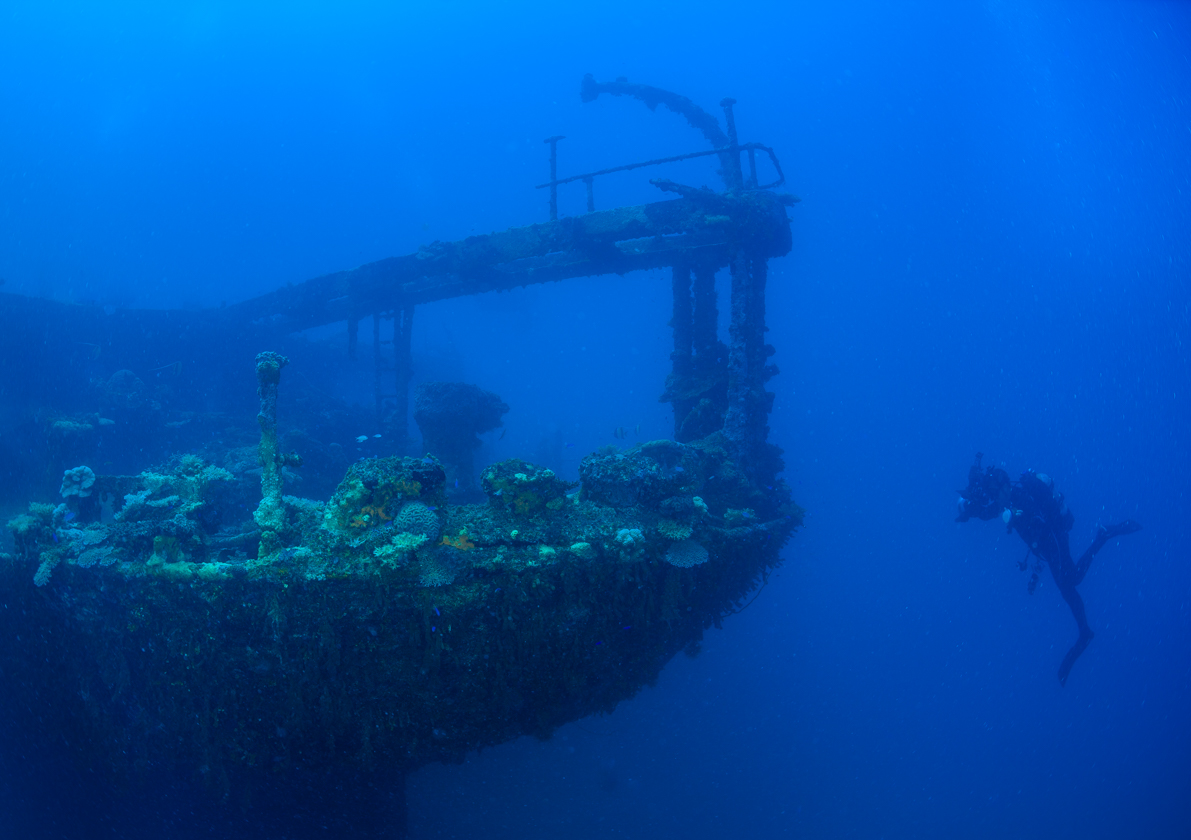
(384, 625)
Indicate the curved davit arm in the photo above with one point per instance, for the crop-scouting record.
(652, 97)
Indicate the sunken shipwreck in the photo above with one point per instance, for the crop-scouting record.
(189, 619)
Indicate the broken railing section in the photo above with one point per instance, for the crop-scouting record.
(724, 145)
(699, 119)
(587, 177)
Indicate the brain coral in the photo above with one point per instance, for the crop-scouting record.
(673, 530)
(686, 553)
(437, 569)
(417, 518)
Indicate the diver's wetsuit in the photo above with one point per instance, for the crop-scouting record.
(1033, 508)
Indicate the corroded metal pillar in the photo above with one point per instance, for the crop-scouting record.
(746, 423)
(553, 142)
(377, 366)
(731, 161)
(270, 514)
(697, 384)
(681, 358)
(403, 324)
(706, 319)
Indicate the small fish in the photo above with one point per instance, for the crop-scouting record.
(637, 431)
(361, 438)
(376, 436)
(456, 484)
(568, 445)
(436, 612)
(93, 350)
(619, 433)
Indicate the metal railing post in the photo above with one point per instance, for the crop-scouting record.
(553, 141)
(732, 173)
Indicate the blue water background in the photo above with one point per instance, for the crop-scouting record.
(991, 253)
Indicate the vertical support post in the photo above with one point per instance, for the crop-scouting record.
(706, 389)
(732, 174)
(270, 514)
(707, 316)
(682, 364)
(553, 141)
(590, 195)
(752, 181)
(353, 335)
(377, 363)
(403, 322)
(746, 423)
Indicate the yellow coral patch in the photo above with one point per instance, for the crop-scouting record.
(370, 515)
(408, 488)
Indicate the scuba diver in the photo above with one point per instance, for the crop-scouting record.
(1033, 508)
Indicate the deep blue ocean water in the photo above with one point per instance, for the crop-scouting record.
(990, 253)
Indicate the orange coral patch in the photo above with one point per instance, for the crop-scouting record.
(460, 542)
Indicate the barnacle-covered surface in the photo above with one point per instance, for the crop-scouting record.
(386, 627)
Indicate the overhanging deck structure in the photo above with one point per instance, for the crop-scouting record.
(714, 384)
(698, 235)
(705, 229)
